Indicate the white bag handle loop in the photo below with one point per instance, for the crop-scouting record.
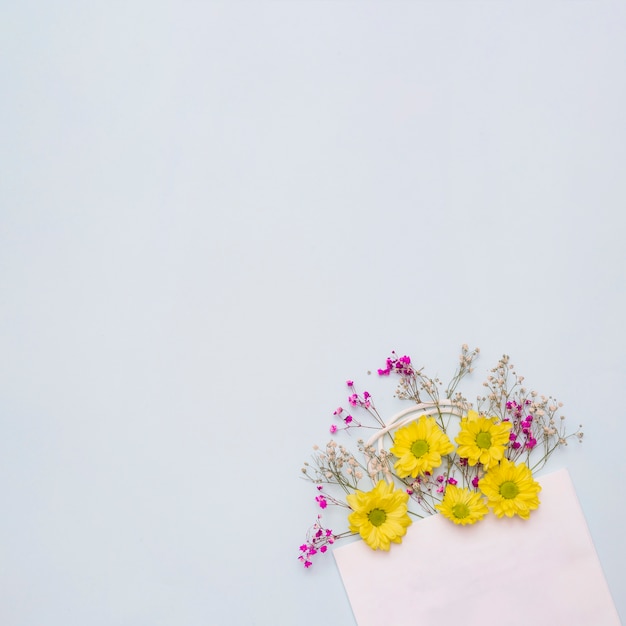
(446, 407)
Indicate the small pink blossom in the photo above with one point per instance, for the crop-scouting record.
(318, 540)
(333, 429)
(350, 383)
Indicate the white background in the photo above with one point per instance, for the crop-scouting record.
(213, 214)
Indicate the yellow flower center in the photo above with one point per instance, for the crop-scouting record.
(460, 510)
(509, 490)
(483, 440)
(376, 517)
(420, 448)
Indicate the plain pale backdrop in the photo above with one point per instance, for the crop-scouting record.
(212, 214)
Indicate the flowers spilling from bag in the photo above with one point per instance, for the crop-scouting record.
(442, 454)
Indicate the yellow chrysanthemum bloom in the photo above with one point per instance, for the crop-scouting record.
(462, 506)
(510, 489)
(380, 515)
(419, 447)
(482, 440)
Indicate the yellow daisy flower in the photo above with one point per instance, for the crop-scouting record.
(380, 515)
(419, 447)
(510, 489)
(462, 506)
(482, 440)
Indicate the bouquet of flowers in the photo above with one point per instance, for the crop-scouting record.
(442, 454)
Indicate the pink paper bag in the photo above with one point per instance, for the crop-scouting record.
(504, 572)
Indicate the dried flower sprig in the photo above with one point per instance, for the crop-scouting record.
(412, 466)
